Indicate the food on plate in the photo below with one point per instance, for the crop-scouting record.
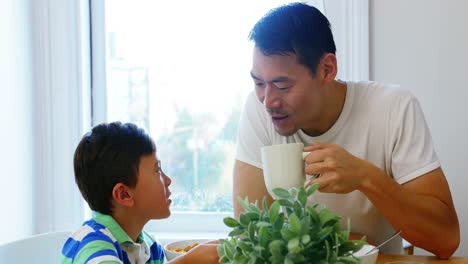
(182, 250)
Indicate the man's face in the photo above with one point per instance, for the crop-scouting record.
(152, 189)
(289, 92)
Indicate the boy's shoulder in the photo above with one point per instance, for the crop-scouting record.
(90, 240)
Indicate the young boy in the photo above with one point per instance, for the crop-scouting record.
(119, 175)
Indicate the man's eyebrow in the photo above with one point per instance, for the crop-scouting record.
(255, 77)
(276, 80)
(281, 79)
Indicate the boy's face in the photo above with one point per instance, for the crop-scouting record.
(151, 193)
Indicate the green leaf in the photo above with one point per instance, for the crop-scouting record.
(263, 236)
(227, 250)
(220, 249)
(276, 246)
(297, 208)
(314, 217)
(236, 232)
(265, 205)
(263, 224)
(274, 210)
(327, 217)
(288, 234)
(251, 230)
(312, 189)
(305, 225)
(244, 202)
(245, 246)
(305, 239)
(279, 222)
(244, 220)
(224, 259)
(322, 234)
(231, 222)
(254, 208)
(253, 216)
(294, 223)
(302, 197)
(284, 202)
(294, 245)
(281, 193)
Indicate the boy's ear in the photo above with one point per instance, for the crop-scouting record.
(122, 195)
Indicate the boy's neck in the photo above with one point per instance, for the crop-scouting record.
(129, 223)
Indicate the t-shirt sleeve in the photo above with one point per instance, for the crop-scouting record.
(253, 132)
(413, 150)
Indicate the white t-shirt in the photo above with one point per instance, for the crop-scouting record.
(379, 123)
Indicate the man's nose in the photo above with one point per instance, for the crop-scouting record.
(271, 97)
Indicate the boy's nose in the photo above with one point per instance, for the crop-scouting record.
(167, 180)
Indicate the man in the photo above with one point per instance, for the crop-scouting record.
(368, 141)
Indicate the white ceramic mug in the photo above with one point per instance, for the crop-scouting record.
(283, 166)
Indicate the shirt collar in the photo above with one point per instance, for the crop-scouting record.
(119, 234)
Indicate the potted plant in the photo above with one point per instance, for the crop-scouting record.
(289, 231)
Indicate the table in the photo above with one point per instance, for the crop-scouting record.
(413, 259)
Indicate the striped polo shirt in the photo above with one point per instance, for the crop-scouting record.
(102, 240)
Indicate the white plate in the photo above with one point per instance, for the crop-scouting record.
(180, 244)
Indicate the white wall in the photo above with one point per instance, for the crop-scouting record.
(16, 133)
(422, 44)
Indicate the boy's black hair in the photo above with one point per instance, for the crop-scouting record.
(295, 28)
(109, 154)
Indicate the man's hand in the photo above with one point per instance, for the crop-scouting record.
(340, 171)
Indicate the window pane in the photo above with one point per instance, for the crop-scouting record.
(180, 69)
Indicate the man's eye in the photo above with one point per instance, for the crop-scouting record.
(283, 86)
(259, 84)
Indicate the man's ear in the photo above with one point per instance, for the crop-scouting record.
(122, 195)
(329, 67)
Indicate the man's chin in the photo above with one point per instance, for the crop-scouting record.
(285, 132)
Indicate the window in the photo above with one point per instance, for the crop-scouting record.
(180, 69)
(60, 48)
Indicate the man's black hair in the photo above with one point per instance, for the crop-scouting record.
(295, 28)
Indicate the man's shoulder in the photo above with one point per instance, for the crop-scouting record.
(381, 93)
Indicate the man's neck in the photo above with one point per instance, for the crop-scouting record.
(335, 100)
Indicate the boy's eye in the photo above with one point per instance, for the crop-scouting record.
(159, 169)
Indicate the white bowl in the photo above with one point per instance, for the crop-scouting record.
(171, 254)
(369, 258)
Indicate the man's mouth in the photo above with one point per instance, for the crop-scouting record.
(279, 117)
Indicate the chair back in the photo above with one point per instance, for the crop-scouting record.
(41, 248)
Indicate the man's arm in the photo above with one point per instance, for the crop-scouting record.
(422, 208)
(248, 181)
